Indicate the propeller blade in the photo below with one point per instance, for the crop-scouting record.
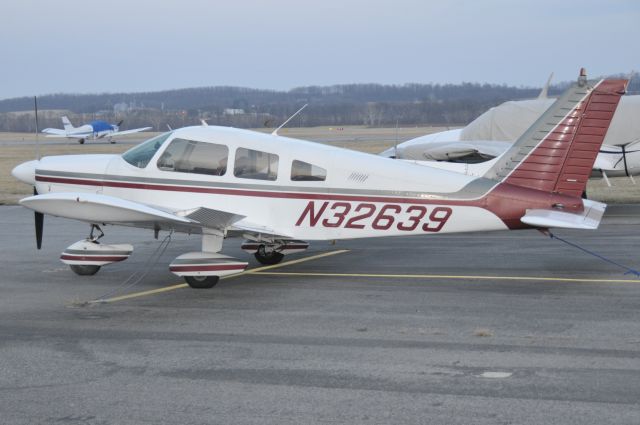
(39, 219)
(39, 222)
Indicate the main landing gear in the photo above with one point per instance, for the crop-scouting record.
(269, 253)
(202, 282)
(201, 269)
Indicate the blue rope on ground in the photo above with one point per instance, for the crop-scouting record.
(629, 270)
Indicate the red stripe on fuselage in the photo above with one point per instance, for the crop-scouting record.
(508, 202)
(247, 192)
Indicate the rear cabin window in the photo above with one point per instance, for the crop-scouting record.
(251, 164)
(189, 156)
(304, 172)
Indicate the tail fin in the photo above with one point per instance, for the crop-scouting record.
(67, 124)
(544, 93)
(556, 154)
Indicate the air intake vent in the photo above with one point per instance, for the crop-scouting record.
(358, 177)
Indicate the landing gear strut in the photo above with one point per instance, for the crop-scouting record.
(95, 238)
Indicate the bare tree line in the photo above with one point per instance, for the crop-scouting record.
(353, 104)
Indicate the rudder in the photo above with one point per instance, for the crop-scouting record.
(556, 154)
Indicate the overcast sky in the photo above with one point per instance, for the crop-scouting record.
(87, 46)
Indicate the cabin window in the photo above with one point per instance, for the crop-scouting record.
(188, 156)
(303, 171)
(251, 164)
(140, 155)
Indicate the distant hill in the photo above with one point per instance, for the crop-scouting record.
(348, 104)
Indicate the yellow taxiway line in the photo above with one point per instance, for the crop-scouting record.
(184, 285)
(450, 277)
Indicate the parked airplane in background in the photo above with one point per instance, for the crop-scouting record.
(92, 131)
(279, 192)
(472, 149)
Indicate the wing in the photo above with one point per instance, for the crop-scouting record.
(135, 130)
(466, 151)
(95, 208)
(246, 226)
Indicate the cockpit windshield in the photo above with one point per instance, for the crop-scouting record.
(140, 155)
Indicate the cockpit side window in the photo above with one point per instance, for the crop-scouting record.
(303, 171)
(139, 156)
(189, 156)
(252, 164)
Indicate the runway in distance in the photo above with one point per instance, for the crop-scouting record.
(278, 193)
(472, 150)
(92, 131)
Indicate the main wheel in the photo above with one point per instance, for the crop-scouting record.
(81, 141)
(84, 269)
(268, 258)
(202, 282)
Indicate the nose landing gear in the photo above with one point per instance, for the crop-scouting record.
(85, 257)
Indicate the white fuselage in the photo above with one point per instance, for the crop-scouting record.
(363, 195)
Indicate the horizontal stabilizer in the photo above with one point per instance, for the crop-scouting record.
(589, 219)
(54, 132)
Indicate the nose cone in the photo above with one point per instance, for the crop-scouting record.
(26, 172)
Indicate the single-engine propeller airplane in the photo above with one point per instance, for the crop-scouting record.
(278, 192)
(92, 131)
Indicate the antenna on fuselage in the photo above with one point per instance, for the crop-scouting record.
(35, 107)
(275, 132)
(395, 147)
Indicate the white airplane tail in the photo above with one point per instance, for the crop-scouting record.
(67, 124)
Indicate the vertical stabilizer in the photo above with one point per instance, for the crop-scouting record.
(556, 154)
(67, 124)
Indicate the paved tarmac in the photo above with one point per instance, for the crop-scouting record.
(495, 328)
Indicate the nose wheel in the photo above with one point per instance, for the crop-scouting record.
(84, 269)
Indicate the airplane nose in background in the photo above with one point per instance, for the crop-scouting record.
(26, 172)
